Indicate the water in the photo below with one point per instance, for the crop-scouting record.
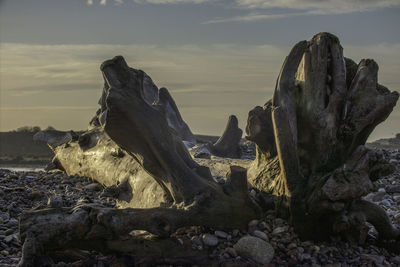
(23, 169)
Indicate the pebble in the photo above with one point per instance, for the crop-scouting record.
(393, 189)
(279, 230)
(13, 202)
(221, 234)
(196, 240)
(378, 196)
(93, 187)
(262, 235)
(12, 222)
(55, 202)
(35, 195)
(289, 249)
(386, 203)
(255, 248)
(8, 238)
(209, 240)
(253, 223)
(235, 232)
(382, 190)
(231, 251)
(5, 252)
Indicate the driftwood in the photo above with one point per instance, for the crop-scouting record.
(158, 98)
(228, 144)
(310, 137)
(310, 160)
(192, 196)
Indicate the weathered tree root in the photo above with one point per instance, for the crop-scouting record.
(310, 137)
(142, 131)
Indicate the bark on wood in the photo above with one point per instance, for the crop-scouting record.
(310, 137)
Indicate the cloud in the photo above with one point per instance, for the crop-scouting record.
(104, 2)
(42, 84)
(328, 6)
(47, 108)
(293, 8)
(253, 17)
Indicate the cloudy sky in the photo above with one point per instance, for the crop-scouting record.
(217, 57)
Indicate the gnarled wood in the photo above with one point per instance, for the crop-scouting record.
(142, 131)
(310, 159)
(310, 138)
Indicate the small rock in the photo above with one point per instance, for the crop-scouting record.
(5, 252)
(209, 240)
(279, 230)
(386, 203)
(254, 248)
(12, 222)
(35, 195)
(8, 238)
(93, 187)
(395, 260)
(378, 260)
(264, 226)
(316, 248)
(231, 251)
(55, 202)
(261, 235)
(393, 189)
(279, 221)
(5, 216)
(221, 234)
(292, 245)
(235, 232)
(306, 256)
(196, 240)
(300, 250)
(382, 190)
(378, 196)
(397, 217)
(253, 223)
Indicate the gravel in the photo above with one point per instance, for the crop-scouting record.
(21, 191)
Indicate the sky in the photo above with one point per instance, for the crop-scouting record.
(216, 57)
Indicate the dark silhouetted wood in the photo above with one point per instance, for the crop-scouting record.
(228, 144)
(142, 131)
(310, 137)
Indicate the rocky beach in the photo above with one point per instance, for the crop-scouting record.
(268, 241)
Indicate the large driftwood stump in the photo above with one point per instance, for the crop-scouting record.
(190, 194)
(310, 137)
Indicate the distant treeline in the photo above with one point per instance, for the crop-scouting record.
(19, 143)
(31, 129)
